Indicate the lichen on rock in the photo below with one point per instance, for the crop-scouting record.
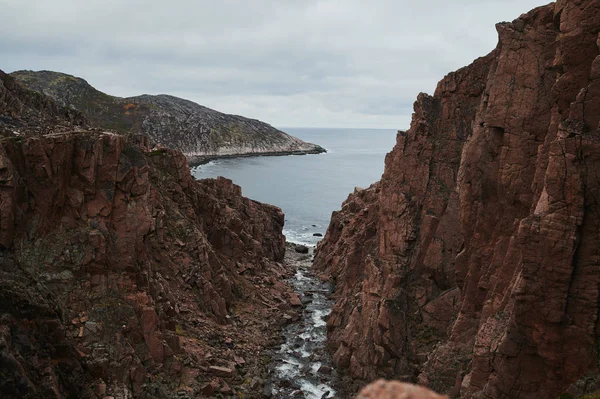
(199, 132)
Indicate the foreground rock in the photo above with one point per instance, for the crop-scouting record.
(121, 275)
(396, 390)
(199, 132)
(471, 267)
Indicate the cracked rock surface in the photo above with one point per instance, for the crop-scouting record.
(472, 266)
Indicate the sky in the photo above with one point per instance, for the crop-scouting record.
(291, 63)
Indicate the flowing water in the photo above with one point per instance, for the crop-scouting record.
(302, 366)
(308, 188)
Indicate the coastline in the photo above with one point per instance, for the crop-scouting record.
(197, 160)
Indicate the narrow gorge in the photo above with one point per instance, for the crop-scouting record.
(471, 270)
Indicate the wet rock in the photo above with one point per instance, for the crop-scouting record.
(324, 370)
(305, 300)
(317, 235)
(256, 383)
(299, 336)
(295, 300)
(302, 249)
(295, 316)
(267, 391)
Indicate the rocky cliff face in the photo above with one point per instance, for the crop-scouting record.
(471, 267)
(123, 276)
(199, 132)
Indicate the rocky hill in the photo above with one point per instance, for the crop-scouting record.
(25, 111)
(472, 266)
(199, 132)
(120, 274)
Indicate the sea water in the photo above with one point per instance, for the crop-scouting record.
(309, 187)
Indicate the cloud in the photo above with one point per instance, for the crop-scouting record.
(346, 63)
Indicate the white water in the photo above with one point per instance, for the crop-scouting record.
(303, 353)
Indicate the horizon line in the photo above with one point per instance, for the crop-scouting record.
(341, 127)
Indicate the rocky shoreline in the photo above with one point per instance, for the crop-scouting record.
(200, 133)
(198, 160)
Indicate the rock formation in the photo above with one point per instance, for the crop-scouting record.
(382, 389)
(472, 266)
(199, 132)
(120, 274)
(35, 113)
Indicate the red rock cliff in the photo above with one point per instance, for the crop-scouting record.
(472, 266)
(115, 261)
(120, 274)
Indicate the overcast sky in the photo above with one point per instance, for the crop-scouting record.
(319, 63)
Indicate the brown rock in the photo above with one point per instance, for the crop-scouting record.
(210, 388)
(224, 372)
(302, 249)
(100, 389)
(239, 360)
(226, 389)
(295, 299)
(472, 263)
(396, 390)
(91, 227)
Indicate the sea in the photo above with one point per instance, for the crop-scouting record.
(309, 187)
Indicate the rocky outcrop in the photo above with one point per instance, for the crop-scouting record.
(471, 267)
(119, 269)
(24, 110)
(120, 274)
(382, 389)
(199, 132)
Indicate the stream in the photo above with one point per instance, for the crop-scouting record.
(302, 367)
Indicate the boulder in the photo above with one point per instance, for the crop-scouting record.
(295, 300)
(301, 249)
(224, 372)
(382, 389)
